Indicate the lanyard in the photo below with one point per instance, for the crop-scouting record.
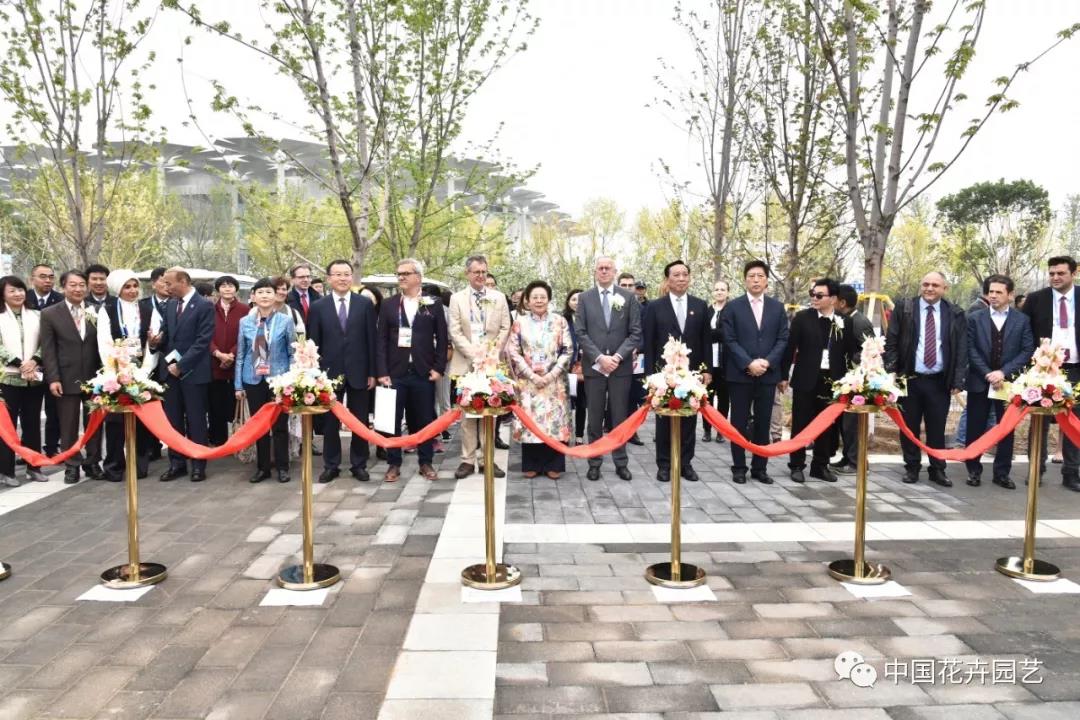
(479, 303)
(539, 342)
(124, 330)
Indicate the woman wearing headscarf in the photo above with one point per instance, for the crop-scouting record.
(21, 384)
(121, 321)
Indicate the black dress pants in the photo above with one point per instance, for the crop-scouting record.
(805, 406)
(257, 396)
(927, 402)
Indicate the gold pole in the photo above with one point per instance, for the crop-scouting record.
(857, 570)
(490, 575)
(1028, 567)
(675, 574)
(135, 573)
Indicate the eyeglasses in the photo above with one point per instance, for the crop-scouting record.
(818, 296)
(407, 273)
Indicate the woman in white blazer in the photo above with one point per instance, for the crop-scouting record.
(21, 383)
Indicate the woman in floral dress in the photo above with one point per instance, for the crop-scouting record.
(540, 350)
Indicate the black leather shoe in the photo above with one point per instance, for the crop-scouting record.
(464, 470)
(975, 479)
(1070, 484)
(198, 475)
(707, 437)
(593, 473)
(93, 472)
(361, 474)
(911, 476)
(1004, 481)
(328, 474)
(739, 478)
(71, 475)
(824, 474)
(283, 476)
(259, 476)
(938, 478)
(663, 475)
(172, 474)
(499, 444)
(635, 440)
(797, 475)
(761, 476)
(690, 474)
(624, 473)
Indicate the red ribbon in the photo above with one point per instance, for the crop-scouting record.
(405, 441)
(618, 436)
(153, 417)
(33, 457)
(1012, 417)
(1070, 425)
(808, 434)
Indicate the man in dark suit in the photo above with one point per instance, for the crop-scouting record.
(40, 297)
(1052, 312)
(150, 446)
(342, 324)
(184, 346)
(301, 296)
(755, 334)
(608, 328)
(410, 356)
(1000, 344)
(69, 352)
(820, 346)
(927, 343)
(847, 301)
(684, 317)
(97, 283)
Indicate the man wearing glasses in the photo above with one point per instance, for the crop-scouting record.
(479, 316)
(301, 296)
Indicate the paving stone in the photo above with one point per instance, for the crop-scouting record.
(303, 695)
(131, 705)
(89, 694)
(589, 631)
(352, 706)
(766, 695)
(167, 668)
(522, 673)
(946, 712)
(546, 652)
(563, 700)
(699, 673)
(642, 650)
(736, 649)
(659, 699)
(599, 673)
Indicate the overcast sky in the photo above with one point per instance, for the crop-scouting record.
(575, 102)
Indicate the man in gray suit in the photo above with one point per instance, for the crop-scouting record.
(608, 327)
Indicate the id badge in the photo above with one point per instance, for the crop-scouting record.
(477, 331)
(262, 368)
(404, 338)
(539, 364)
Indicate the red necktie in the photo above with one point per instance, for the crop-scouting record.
(303, 303)
(930, 340)
(1063, 314)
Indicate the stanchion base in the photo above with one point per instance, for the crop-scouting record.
(872, 574)
(322, 575)
(689, 575)
(476, 576)
(1040, 569)
(119, 577)
(5, 571)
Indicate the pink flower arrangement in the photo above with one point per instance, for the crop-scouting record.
(858, 400)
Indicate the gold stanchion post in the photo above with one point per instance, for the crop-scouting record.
(675, 574)
(309, 575)
(857, 570)
(1028, 567)
(135, 573)
(490, 575)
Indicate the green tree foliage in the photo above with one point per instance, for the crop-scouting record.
(914, 250)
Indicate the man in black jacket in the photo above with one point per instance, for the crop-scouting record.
(41, 296)
(820, 344)
(301, 296)
(847, 301)
(927, 342)
(1052, 312)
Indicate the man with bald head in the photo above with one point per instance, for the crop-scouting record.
(927, 343)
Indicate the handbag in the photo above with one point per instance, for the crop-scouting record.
(241, 416)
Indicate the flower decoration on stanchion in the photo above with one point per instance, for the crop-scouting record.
(488, 386)
(1043, 385)
(676, 389)
(867, 383)
(121, 383)
(304, 384)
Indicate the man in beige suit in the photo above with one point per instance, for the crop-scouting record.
(478, 315)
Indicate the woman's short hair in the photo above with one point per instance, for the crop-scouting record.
(532, 286)
(264, 282)
(6, 282)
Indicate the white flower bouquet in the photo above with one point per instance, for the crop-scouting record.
(121, 382)
(1043, 384)
(305, 384)
(488, 384)
(676, 387)
(868, 382)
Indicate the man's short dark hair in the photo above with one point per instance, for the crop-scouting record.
(294, 268)
(69, 273)
(263, 282)
(624, 276)
(491, 276)
(829, 284)
(755, 264)
(156, 273)
(226, 279)
(340, 261)
(848, 294)
(1062, 260)
(1001, 280)
(204, 288)
(673, 263)
(96, 268)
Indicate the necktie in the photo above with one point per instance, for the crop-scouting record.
(1063, 314)
(342, 313)
(606, 305)
(77, 316)
(930, 339)
(304, 303)
(680, 313)
(755, 305)
(179, 308)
